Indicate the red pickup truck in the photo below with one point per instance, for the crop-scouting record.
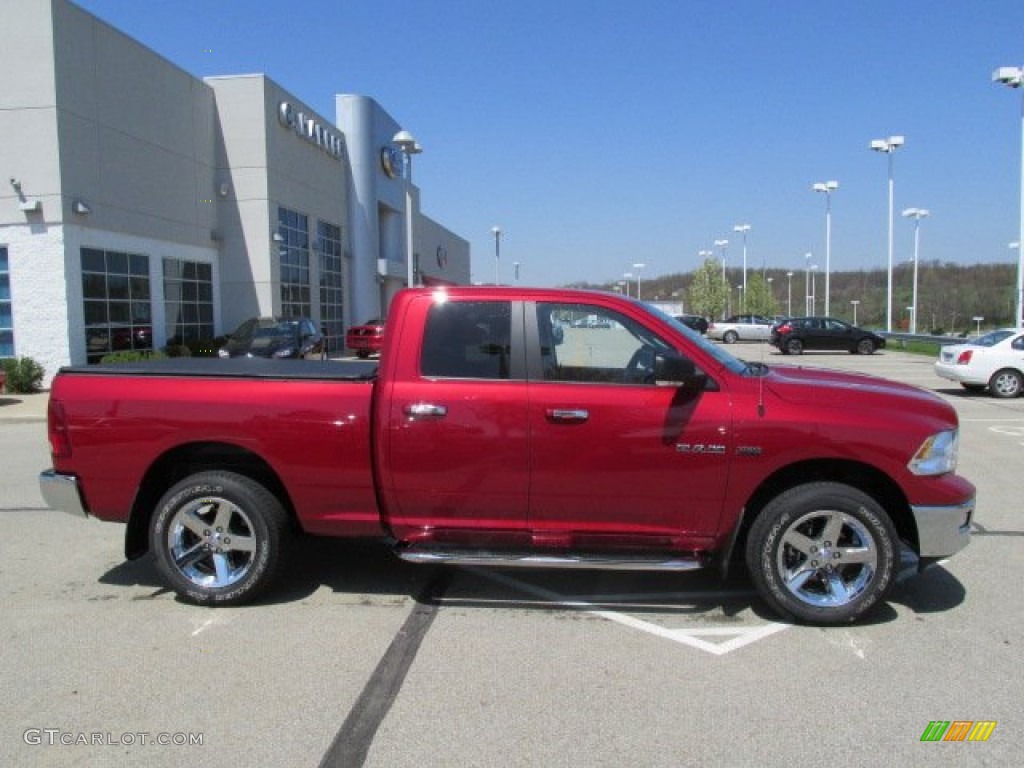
(518, 427)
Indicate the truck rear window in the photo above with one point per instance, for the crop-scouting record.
(467, 340)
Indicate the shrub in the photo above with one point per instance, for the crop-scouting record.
(131, 356)
(24, 375)
(177, 350)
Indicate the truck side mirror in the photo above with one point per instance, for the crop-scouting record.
(671, 368)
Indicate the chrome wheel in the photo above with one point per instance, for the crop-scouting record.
(827, 558)
(219, 538)
(823, 553)
(211, 542)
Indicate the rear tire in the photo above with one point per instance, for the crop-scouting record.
(730, 337)
(1005, 384)
(219, 538)
(794, 347)
(822, 553)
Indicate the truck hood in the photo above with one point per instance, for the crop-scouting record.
(842, 389)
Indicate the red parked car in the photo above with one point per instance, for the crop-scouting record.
(366, 339)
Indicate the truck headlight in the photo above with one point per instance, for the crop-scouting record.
(937, 454)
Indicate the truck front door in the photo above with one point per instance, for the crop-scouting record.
(617, 459)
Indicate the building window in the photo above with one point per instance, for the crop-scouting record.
(294, 253)
(117, 301)
(328, 249)
(188, 301)
(6, 318)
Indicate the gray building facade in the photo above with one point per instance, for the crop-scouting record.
(141, 206)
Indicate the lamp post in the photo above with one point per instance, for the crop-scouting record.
(497, 250)
(638, 267)
(721, 244)
(743, 229)
(789, 294)
(814, 289)
(409, 147)
(889, 146)
(855, 302)
(828, 187)
(627, 276)
(515, 266)
(916, 214)
(1014, 78)
(807, 284)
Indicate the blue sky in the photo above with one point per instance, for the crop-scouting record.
(600, 134)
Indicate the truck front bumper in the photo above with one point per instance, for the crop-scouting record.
(61, 492)
(943, 531)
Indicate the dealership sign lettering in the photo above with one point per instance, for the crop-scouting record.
(310, 129)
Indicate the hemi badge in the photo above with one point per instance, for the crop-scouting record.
(748, 450)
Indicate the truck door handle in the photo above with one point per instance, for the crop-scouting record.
(568, 415)
(425, 411)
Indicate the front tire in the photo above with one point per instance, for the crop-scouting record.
(865, 347)
(822, 553)
(1006, 383)
(219, 538)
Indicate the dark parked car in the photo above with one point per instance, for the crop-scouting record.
(795, 334)
(277, 337)
(694, 322)
(366, 339)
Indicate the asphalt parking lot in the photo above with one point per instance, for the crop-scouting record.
(360, 659)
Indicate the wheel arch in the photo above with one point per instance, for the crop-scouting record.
(864, 477)
(185, 460)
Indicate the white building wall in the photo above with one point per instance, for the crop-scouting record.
(39, 300)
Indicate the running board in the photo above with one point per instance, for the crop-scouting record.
(438, 556)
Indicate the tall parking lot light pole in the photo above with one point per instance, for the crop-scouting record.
(807, 284)
(405, 142)
(916, 214)
(496, 231)
(828, 187)
(743, 229)
(889, 146)
(855, 302)
(789, 294)
(638, 267)
(721, 244)
(1014, 78)
(627, 276)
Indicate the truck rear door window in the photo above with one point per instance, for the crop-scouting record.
(467, 340)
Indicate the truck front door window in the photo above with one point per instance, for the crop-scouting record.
(586, 343)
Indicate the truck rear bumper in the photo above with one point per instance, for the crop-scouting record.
(943, 531)
(61, 492)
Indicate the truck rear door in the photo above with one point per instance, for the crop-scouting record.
(455, 462)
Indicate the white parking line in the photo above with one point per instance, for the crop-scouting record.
(692, 637)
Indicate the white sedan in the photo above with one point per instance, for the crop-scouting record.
(994, 361)
(741, 328)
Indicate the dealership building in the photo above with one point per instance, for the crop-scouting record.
(141, 206)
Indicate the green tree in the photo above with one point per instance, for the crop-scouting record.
(708, 291)
(759, 299)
